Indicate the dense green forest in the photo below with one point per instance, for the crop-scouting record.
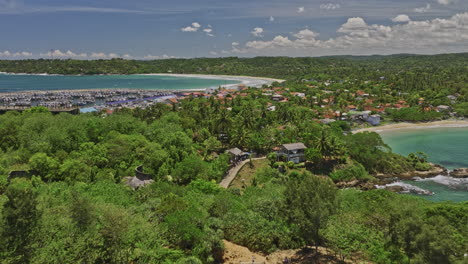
(76, 208)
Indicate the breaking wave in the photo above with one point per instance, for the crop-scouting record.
(406, 188)
(452, 183)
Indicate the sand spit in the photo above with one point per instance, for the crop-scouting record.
(423, 125)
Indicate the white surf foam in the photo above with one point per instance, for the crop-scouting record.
(407, 188)
(454, 183)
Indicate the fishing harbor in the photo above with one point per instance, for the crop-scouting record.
(86, 99)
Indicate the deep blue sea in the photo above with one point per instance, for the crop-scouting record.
(18, 82)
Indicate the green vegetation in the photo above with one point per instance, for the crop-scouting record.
(77, 209)
(252, 174)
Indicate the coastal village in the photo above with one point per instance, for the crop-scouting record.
(327, 101)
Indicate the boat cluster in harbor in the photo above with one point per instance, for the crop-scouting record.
(98, 99)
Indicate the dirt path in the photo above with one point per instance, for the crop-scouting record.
(231, 175)
(236, 254)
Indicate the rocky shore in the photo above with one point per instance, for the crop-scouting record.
(459, 173)
(392, 182)
(434, 171)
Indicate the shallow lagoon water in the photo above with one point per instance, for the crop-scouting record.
(445, 146)
(23, 82)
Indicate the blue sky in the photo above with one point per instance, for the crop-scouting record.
(145, 29)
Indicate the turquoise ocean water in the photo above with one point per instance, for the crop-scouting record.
(18, 83)
(445, 146)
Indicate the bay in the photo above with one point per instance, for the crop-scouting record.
(445, 146)
(23, 82)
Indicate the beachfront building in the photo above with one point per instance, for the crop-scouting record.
(292, 152)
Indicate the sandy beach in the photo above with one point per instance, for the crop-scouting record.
(246, 80)
(407, 125)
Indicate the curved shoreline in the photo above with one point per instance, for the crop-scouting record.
(409, 125)
(250, 81)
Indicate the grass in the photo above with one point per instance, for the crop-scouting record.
(246, 174)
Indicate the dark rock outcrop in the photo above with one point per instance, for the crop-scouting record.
(434, 171)
(460, 173)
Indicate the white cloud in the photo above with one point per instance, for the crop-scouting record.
(306, 34)
(192, 28)
(353, 24)
(153, 57)
(401, 19)
(330, 6)
(209, 31)
(357, 37)
(5, 53)
(257, 32)
(301, 9)
(15, 55)
(235, 44)
(22, 54)
(446, 2)
(214, 53)
(272, 19)
(423, 9)
(58, 54)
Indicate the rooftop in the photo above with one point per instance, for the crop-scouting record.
(294, 146)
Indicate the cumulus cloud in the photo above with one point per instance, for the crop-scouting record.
(192, 28)
(257, 32)
(20, 54)
(401, 19)
(58, 54)
(423, 9)
(330, 6)
(67, 54)
(209, 31)
(154, 57)
(357, 37)
(446, 2)
(301, 9)
(5, 53)
(353, 24)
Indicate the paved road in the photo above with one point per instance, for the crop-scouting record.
(231, 175)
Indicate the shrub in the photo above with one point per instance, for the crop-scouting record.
(351, 172)
(422, 166)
